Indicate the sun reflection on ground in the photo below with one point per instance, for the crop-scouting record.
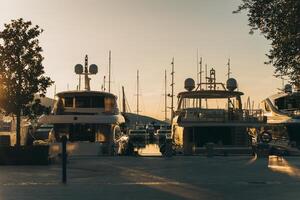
(180, 189)
(149, 150)
(252, 160)
(281, 165)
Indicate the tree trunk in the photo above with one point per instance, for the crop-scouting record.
(18, 129)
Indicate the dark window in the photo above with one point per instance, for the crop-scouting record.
(89, 102)
(109, 104)
(288, 102)
(82, 102)
(97, 102)
(68, 101)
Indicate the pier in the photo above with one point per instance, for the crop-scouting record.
(181, 177)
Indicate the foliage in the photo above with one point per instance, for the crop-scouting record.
(34, 109)
(21, 69)
(279, 22)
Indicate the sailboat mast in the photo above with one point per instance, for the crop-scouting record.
(200, 73)
(166, 95)
(197, 68)
(137, 93)
(109, 70)
(172, 94)
(206, 76)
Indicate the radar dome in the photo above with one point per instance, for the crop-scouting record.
(78, 69)
(288, 88)
(231, 84)
(189, 84)
(93, 69)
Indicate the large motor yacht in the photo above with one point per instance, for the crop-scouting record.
(212, 113)
(85, 115)
(283, 115)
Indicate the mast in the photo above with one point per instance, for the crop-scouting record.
(166, 95)
(200, 79)
(200, 73)
(86, 77)
(197, 68)
(123, 100)
(109, 70)
(104, 80)
(79, 81)
(137, 93)
(228, 69)
(172, 94)
(206, 84)
(206, 76)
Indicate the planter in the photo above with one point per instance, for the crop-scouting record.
(24, 155)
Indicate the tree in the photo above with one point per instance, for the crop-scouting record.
(279, 22)
(35, 109)
(21, 69)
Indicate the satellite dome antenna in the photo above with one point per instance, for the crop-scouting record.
(93, 69)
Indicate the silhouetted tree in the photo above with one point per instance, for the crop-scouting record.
(279, 22)
(21, 69)
(35, 109)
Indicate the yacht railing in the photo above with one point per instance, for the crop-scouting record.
(220, 115)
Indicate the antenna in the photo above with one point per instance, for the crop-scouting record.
(86, 77)
(200, 73)
(109, 70)
(123, 100)
(93, 69)
(206, 77)
(197, 68)
(104, 81)
(79, 81)
(228, 69)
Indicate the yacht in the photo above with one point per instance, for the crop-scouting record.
(283, 115)
(86, 116)
(212, 113)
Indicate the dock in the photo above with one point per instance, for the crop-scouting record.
(180, 177)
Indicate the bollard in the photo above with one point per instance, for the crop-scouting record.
(262, 150)
(209, 147)
(64, 159)
(168, 148)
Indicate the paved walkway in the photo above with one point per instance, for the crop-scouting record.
(156, 178)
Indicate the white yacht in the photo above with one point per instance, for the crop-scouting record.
(212, 113)
(283, 115)
(86, 116)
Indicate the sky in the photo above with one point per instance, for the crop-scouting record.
(145, 35)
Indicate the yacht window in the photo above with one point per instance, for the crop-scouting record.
(280, 103)
(109, 104)
(97, 102)
(204, 103)
(89, 102)
(82, 102)
(288, 102)
(68, 101)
